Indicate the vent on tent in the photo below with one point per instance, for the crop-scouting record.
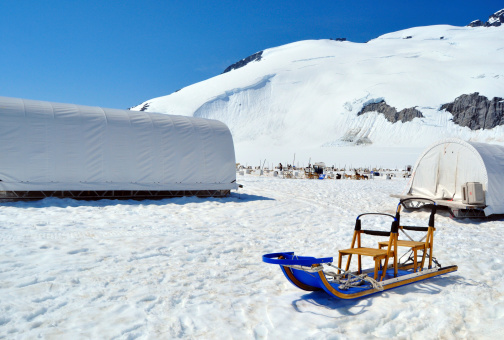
(472, 193)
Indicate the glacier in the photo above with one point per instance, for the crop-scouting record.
(304, 98)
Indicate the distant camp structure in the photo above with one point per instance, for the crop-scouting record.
(320, 171)
(63, 150)
(466, 177)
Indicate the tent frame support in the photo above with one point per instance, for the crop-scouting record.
(457, 209)
(463, 213)
(111, 194)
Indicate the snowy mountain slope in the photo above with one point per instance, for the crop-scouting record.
(304, 97)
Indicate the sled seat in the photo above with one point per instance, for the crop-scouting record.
(377, 254)
(424, 246)
(415, 247)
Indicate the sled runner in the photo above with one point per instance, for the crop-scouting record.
(316, 274)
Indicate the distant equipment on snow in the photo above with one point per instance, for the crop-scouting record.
(464, 176)
(64, 150)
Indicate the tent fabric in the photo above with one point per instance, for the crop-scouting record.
(50, 146)
(448, 164)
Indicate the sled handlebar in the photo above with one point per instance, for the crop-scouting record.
(288, 258)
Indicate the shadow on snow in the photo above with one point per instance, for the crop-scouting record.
(69, 202)
(358, 306)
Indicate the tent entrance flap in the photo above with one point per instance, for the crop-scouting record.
(446, 186)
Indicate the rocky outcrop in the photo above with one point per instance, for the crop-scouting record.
(254, 57)
(495, 19)
(476, 112)
(390, 113)
(143, 108)
(476, 23)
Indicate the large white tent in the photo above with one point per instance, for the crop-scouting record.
(445, 166)
(47, 147)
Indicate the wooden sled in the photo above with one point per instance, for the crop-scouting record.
(317, 274)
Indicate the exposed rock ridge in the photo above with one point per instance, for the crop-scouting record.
(495, 19)
(254, 57)
(390, 113)
(476, 112)
(143, 108)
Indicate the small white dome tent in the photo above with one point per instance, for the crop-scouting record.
(444, 168)
(63, 150)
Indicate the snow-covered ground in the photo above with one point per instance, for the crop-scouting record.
(191, 268)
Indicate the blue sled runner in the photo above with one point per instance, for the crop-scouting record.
(312, 274)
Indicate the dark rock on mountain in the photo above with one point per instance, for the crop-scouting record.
(390, 113)
(476, 112)
(145, 107)
(254, 57)
(338, 39)
(495, 19)
(476, 23)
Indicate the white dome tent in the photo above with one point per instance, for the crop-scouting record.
(64, 150)
(449, 170)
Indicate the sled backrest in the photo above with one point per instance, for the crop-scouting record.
(392, 233)
(393, 226)
(420, 203)
(417, 203)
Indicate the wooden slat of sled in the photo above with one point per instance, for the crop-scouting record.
(366, 251)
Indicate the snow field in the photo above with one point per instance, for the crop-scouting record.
(304, 97)
(191, 268)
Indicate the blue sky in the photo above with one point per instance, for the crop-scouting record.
(120, 53)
